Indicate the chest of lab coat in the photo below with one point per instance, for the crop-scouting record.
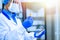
(10, 28)
(13, 31)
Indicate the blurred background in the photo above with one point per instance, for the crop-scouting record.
(46, 16)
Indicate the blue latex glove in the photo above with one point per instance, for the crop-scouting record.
(28, 22)
(40, 35)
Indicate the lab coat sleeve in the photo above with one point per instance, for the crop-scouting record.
(3, 29)
(19, 34)
(12, 35)
(29, 36)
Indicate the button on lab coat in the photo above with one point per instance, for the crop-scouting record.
(9, 30)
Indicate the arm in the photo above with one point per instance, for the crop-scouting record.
(28, 22)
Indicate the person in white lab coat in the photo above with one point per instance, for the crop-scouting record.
(11, 28)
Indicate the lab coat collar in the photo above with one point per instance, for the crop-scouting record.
(14, 17)
(6, 13)
(9, 15)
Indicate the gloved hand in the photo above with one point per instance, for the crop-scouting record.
(28, 22)
(40, 34)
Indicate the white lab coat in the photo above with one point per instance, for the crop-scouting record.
(9, 30)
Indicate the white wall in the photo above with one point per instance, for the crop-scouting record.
(57, 22)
